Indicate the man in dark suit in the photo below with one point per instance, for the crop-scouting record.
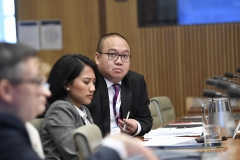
(113, 60)
(22, 97)
(22, 94)
(14, 139)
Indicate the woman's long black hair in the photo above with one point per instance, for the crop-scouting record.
(64, 71)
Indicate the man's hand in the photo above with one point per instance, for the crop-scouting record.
(131, 125)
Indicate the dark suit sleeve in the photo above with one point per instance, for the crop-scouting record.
(144, 114)
(14, 139)
(105, 153)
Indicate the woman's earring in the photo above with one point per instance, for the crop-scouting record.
(68, 89)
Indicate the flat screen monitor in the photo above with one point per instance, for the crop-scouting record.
(187, 12)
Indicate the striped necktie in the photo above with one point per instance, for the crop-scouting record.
(116, 89)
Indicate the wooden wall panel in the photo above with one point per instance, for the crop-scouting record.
(175, 60)
(118, 16)
(80, 24)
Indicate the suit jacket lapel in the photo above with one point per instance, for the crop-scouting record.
(79, 120)
(126, 97)
(103, 91)
(88, 115)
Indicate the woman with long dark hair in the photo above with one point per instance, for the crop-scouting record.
(72, 83)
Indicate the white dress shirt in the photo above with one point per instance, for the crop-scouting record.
(35, 139)
(83, 114)
(111, 93)
(113, 126)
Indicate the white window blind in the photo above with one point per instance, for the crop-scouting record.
(7, 21)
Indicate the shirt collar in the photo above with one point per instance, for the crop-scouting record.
(109, 84)
(81, 112)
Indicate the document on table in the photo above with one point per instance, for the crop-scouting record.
(173, 132)
(172, 142)
(184, 124)
(191, 117)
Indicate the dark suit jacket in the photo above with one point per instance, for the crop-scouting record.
(14, 139)
(134, 98)
(15, 142)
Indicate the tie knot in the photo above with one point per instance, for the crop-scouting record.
(116, 87)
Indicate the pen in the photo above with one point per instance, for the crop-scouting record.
(124, 127)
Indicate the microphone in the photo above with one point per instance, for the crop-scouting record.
(218, 83)
(238, 70)
(211, 82)
(219, 78)
(222, 84)
(224, 79)
(231, 75)
(234, 92)
(213, 94)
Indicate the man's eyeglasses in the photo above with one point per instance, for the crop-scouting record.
(114, 56)
(37, 81)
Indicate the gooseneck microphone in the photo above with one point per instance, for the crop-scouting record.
(211, 82)
(231, 75)
(238, 70)
(224, 79)
(219, 78)
(221, 84)
(218, 83)
(213, 94)
(233, 90)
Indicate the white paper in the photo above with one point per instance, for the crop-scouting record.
(174, 132)
(170, 141)
(236, 131)
(115, 130)
(28, 33)
(185, 123)
(192, 117)
(51, 35)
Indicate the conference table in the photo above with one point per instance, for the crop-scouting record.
(230, 149)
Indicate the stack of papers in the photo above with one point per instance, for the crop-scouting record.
(174, 132)
(173, 142)
(172, 137)
(184, 124)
